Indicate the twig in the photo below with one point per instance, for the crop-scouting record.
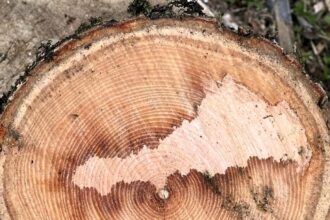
(316, 54)
(324, 37)
(207, 11)
(282, 13)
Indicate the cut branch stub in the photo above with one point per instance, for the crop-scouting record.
(171, 119)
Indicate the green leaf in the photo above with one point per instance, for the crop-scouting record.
(326, 74)
(326, 19)
(299, 8)
(230, 1)
(326, 60)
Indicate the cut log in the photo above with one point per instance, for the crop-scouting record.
(165, 119)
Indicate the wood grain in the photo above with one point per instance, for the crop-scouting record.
(165, 119)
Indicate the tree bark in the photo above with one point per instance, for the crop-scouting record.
(165, 119)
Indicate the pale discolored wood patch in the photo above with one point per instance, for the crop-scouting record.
(231, 126)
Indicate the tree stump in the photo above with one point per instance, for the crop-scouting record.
(165, 119)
